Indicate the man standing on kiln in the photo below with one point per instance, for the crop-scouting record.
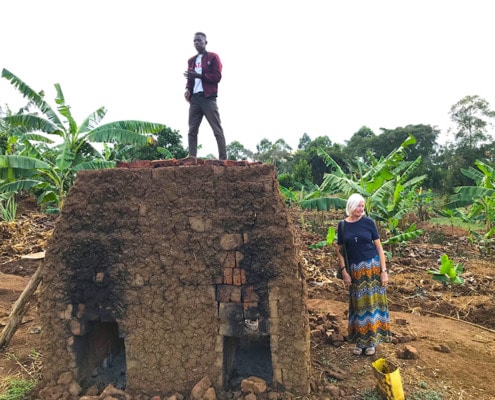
(204, 71)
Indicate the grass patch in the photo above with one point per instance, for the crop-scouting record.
(457, 222)
(18, 385)
(374, 394)
(431, 395)
(16, 389)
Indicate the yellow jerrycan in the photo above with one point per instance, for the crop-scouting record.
(388, 381)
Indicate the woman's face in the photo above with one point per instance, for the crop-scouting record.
(359, 210)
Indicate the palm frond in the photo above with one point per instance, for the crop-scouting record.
(329, 161)
(96, 164)
(141, 127)
(341, 183)
(409, 169)
(33, 96)
(417, 180)
(33, 123)
(404, 237)
(93, 120)
(65, 156)
(19, 185)
(117, 135)
(34, 137)
(65, 109)
(467, 195)
(15, 161)
(323, 203)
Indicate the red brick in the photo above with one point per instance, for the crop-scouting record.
(218, 163)
(164, 163)
(140, 164)
(236, 278)
(227, 276)
(235, 294)
(187, 161)
(223, 293)
(229, 260)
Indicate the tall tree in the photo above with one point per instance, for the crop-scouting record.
(236, 151)
(318, 165)
(278, 153)
(304, 142)
(359, 145)
(471, 115)
(302, 172)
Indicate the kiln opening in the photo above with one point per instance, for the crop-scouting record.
(100, 356)
(244, 357)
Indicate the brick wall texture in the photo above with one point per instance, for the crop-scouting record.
(179, 258)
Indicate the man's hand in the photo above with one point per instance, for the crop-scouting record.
(191, 74)
(187, 95)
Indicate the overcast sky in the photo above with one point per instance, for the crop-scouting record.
(322, 67)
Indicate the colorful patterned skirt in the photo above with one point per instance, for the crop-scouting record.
(369, 319)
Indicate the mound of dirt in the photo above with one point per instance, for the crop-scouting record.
(450, 329)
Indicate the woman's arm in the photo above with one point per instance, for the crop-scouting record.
(339, 249)
(383, 265)
(345, 275)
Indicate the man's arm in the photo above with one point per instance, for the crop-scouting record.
(213, 71)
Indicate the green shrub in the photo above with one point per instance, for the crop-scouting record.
(286, 180)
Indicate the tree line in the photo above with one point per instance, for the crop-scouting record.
(471, 140)
(42, 148)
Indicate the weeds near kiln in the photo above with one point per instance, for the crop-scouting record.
(18, 387)
(8, 207)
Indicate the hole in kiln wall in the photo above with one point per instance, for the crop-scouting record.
(244, 357)
(100, 356)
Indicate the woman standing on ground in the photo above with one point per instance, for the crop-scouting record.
(369, 319)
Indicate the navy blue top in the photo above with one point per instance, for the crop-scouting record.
(358, 239)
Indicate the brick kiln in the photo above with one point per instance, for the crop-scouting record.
(157, 277)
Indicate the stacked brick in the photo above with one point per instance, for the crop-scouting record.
(175, 259)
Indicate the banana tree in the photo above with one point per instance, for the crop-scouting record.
(476, 204)
(53, 138)
(480, 199)
(448, 272)
(385, 184)
(311, 194)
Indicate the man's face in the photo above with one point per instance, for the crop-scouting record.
(199, 43)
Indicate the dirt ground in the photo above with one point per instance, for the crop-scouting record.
(452, 328)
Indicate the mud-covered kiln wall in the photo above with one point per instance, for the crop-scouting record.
(148, 248)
